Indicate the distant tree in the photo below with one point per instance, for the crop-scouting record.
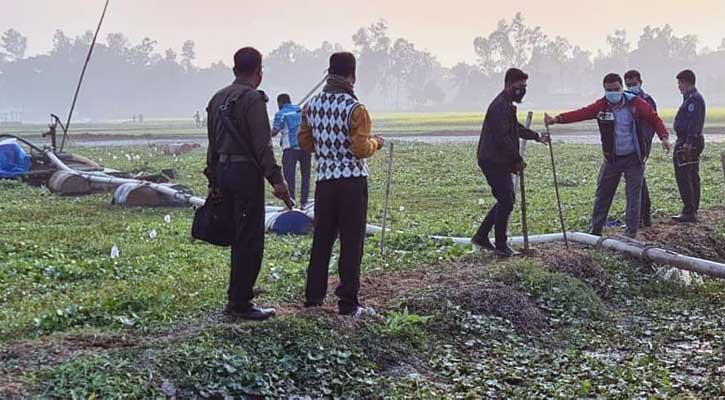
(13, 44)
(170, 55)
(61, 42)
(188, 53)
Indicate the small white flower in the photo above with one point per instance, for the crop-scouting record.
(115, 252)
(481, 202)
(115, 157)
(153, 234)
(167, 218)
(128, 157)
(402, 208)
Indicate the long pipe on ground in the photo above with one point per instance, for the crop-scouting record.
(634, 249)
(103, 179)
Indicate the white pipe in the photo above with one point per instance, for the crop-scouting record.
(101, 178)
(635, 249)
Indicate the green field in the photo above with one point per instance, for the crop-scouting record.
(385, 123)
(75, 323)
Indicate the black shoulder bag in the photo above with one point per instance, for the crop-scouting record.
(214, 221)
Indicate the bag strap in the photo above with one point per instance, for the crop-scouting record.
(224, 117)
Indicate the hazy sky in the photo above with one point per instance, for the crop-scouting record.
(447, 29)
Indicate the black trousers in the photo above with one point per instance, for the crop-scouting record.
(688, 178)
(242, 187)
(341, 207)
(646, 208)
(502, 188)
(290, 158)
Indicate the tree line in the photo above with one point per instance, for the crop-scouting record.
(137, 78)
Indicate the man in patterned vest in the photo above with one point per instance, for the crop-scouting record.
(336, 127)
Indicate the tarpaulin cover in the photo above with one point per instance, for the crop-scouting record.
(14, 161)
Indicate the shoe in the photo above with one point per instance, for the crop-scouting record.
(684, 218)
(250, 314)
(360, 312)
(506, 252)
(483, 243)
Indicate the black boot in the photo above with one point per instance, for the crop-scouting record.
(250, 314)
(482, 242)
(506, 252)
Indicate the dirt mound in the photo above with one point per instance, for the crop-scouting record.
(696, 240)
(576, 262)
(503, 301)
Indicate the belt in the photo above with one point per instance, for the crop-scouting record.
(234, 158)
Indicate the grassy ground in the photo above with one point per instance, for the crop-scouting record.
(75, 323)
(387, 123)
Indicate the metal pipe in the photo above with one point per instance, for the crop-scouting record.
(387, 198)
(103, 179)
(83, 74)
(631, 248)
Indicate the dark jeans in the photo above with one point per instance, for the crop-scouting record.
(242, 188)
(609, 176)
(341, 206)
(688, 179)
(290, 158)
(646, 208)
(502, 187)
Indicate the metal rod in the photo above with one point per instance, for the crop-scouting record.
(524, 225)
(388, 185)
(314, 90)
(83, 73)
(556, 187)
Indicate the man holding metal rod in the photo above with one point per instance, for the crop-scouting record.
(621, 118)
(499, 156)
(336, 127)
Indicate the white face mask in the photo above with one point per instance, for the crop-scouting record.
(613, 97)
(636, 89)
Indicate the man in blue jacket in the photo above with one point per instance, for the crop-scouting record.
(689, 123)
(633, 81)
(287, 121)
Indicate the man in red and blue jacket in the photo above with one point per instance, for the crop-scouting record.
(621, 118)
(633, 81)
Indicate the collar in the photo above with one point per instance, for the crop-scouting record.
(242, 82)
(689, 94)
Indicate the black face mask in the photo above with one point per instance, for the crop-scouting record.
(517, 94)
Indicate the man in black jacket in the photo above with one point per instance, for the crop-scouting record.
(239, 159)
(498, 158)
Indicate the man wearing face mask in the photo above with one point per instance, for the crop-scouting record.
(239, 159)
(621, 117)
(498, 157)
(633, 81)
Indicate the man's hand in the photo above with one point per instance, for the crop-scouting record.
(666, 145)
(520, 166)
(215, 195)
(544, 139)
(281, 191)
(380, 140)
(549, 120)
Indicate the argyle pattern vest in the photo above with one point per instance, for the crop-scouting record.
(328, 114)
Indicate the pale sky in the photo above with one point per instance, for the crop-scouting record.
(447, 29)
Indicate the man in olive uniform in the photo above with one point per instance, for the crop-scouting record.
(239, 159)
(689, 123)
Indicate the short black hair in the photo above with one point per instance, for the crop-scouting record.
(687, 76)
(611, 78)
(633, 74)
(247, 60)
(284, 99)
(342, 64)
(514, 75)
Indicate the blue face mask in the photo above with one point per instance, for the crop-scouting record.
(613, 97)
(637, 89)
